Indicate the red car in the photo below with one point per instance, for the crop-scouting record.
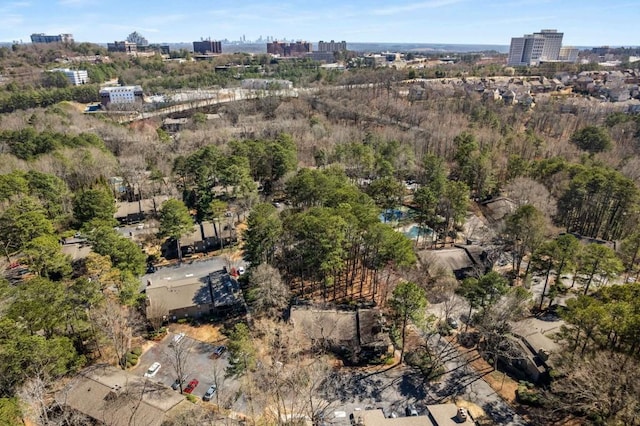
(191, 386)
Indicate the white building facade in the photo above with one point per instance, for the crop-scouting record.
(531, 49)
(75, 77)
(121, 95)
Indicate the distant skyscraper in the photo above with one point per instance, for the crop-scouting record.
(43, 38)
(531, 49)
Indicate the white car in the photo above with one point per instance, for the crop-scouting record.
(152, 370)
(240, 270)
(176, 339)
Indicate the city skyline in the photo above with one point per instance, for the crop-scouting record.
(584, 23)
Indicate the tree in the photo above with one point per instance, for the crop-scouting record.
(124, 254)
(592, 139)
(179, 354)
(44, 256)
(483, 292)
(175, 221)
(22, 222)
(408, 303)
(95, 204)
(600, 262)
(387, 192)
(242, 353)
(525, 230)
(604, 387)
(269, 295)
(10, 412)
(116, 323)
(40, 305)
(264, 229)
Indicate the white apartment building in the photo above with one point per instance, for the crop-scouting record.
(531, 49)
(75, 77)
(120, 95)
(568, 54)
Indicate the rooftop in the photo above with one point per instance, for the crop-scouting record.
(111, 396)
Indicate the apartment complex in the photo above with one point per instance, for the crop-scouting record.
(531, 49)
(44, 38)
(122, 46)
(120, 95)
(75, 77)
(297, 49)
(207, 46)
(331, 46)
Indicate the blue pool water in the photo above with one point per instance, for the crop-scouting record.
(416, 230)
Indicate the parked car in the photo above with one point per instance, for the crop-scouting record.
(411, 411)
(177, 339)
(219, 351)
(176, 384)
(209, 393)
(453, 323)
(191, 386)
(153, 369)
(240, 270)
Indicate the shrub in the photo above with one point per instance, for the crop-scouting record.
(182, 321)
(192, 398)
(137, 351)
(527, 394)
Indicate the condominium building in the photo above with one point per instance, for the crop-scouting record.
(297, 49)
(568, 54)
(122, 46)
(120, 95)
(332, 46)
(43, 38)
(207, 46)
(75, 77)
(531, 49)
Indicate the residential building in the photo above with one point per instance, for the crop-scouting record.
(552, 44)
(437, 415)
(207, 47)
(332, 46)
(75, 77)
(326, 56)
(297, 49)
(216, 294)
(120, 95)
(43, 38)
(568, 54)
(115, 397)
(531, 49)
(122, 46)
(357, 336)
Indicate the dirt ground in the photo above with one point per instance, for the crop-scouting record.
(204, 333)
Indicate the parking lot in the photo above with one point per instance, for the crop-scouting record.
(199, 365)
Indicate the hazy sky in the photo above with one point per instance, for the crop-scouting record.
(584, 22)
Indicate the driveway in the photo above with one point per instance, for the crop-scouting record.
(199, 365)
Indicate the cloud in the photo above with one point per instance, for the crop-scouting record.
(431, 4)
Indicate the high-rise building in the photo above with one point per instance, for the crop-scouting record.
(43, 38)
(207, 46)
(332, 46)
(568, 54)
(297, 49)
(531, 49)
(552, 44)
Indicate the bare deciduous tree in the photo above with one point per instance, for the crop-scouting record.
(179, 354)
(116, 323)
(269, 294)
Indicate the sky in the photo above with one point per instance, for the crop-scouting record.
(584, 22)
